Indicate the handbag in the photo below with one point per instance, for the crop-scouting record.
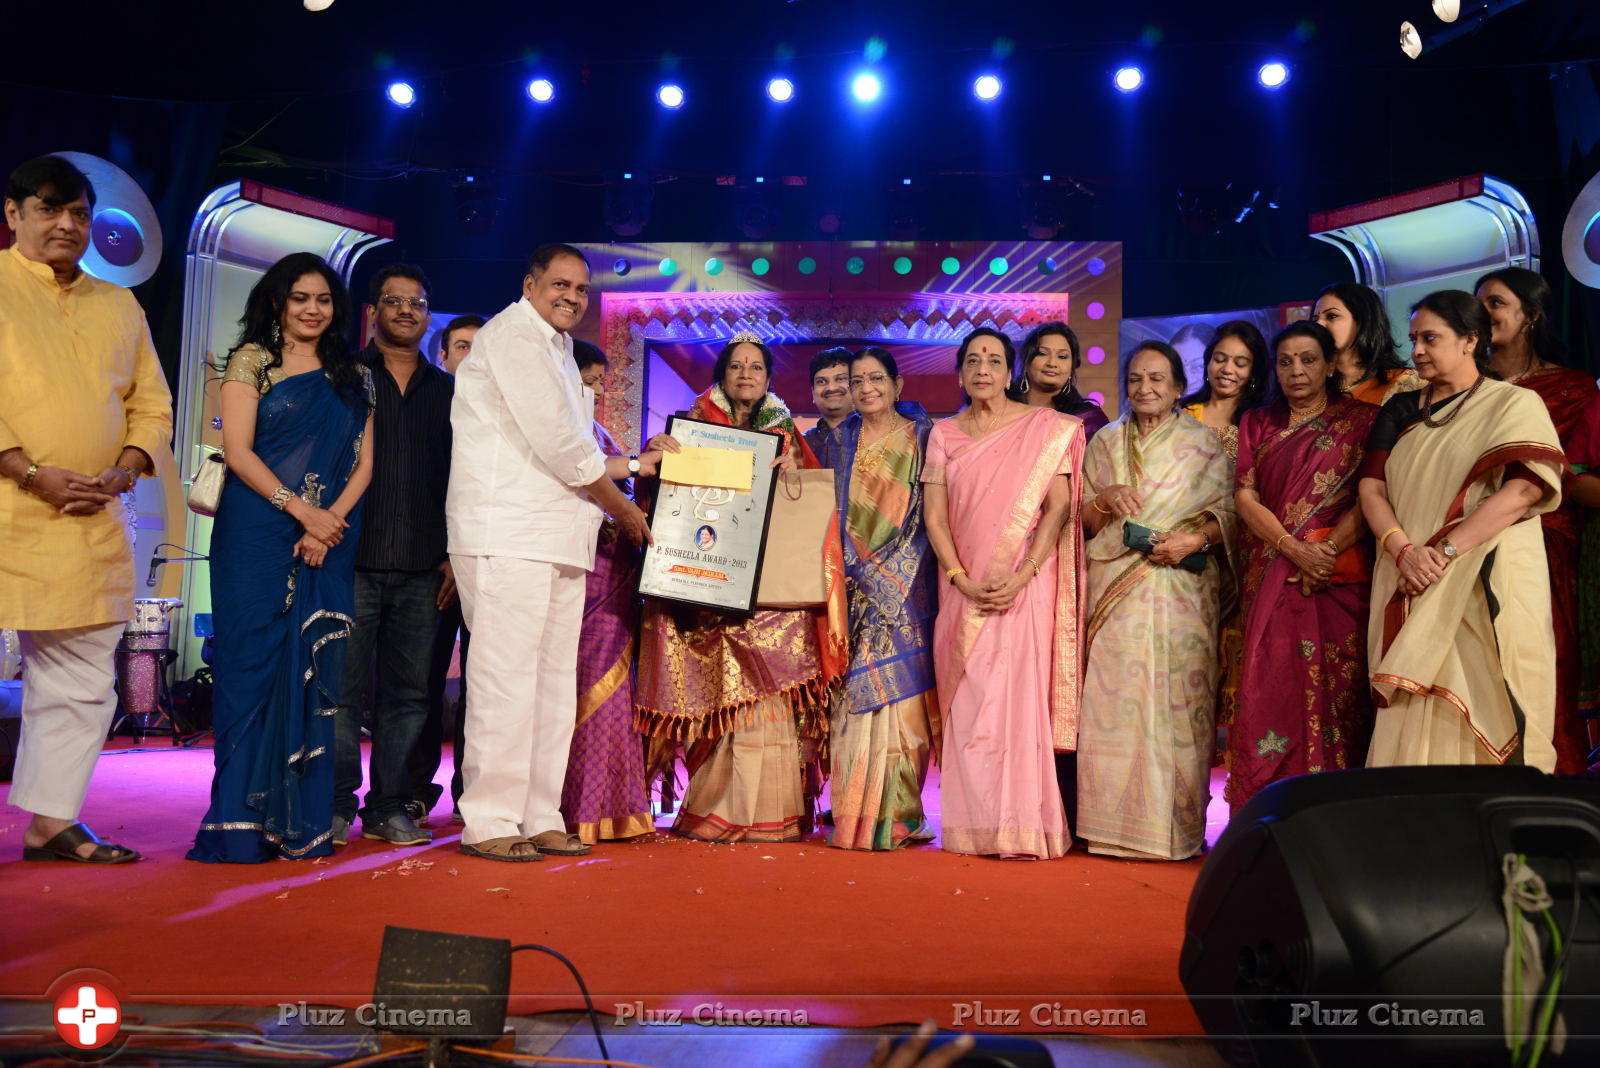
(1137, 538)
(205, 492)
(802, 522)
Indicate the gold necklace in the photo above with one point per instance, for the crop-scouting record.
(871, 457)
(1296, 420)
(1427, 403)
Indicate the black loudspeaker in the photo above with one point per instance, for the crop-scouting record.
(1355, 917)
(439, 985)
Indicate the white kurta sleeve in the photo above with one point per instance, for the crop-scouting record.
(533, 396)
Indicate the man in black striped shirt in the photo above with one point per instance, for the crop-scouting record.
(402, 570)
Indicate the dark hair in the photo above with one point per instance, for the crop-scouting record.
(1006, 344)
(50, 178)
(544, 255)
(458, 323)
(586, 354)
(1533, 291)
(829, 358)
(880, 354)
(725, 356)
(260, 325)
(1255, 387)
(1065, 396)
(1164, 349)
(1462, 313)
(397, 270)
(1374, 340)
(1324, 339)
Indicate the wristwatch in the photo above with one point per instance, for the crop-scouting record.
(633, 465)
(1450, 551)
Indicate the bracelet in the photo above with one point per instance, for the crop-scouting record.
(1277, 546)
(1401, 554)
(1207, 546)
(1384, 541)
(953, 572)
(1333, 543)
(33, 473)
(281, 497)
(1102, 509)
(1035, 563)
(133, 477)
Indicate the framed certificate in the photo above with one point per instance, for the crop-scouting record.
(709, 539)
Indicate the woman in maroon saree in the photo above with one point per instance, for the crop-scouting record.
(1304, 700)
(1528, 352)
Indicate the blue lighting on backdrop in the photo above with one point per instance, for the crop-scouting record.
(670, 96)
(866, 87)
(401, 94)
(1273, 75)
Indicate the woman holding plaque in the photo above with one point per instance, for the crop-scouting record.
(1001, 480)
(1158, 490)
(746, 698)
(885, 720)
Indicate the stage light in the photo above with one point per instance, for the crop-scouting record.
(781, 90)
(401, 94)
(541, 91)
(987, 87)
(317, 5)
(622, 266)
(1128, 79)
(1447, 10)
(713, 266)
(669, 266)
(1410, 40)
(670, 96)
(866, 87)
(1048, 265)
(1272, 75)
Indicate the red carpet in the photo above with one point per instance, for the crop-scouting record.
(849, 939)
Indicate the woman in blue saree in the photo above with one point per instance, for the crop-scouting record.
(296, 411)
(884, 721)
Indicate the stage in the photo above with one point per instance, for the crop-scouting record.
(662, 929)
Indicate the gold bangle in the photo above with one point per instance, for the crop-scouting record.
(1277, 546)
(1384, 541)
(1035, 563)
(950, 575)
(1102, 509)
(33, 473)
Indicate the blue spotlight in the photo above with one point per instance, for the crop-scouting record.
(1273, 75)
(400, 94)
(1128, 79)
(986, 87)
(541, 91)
(866, 87)
(781, 90)
(670, 96)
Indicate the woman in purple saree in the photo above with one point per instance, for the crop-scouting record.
(1304, 700)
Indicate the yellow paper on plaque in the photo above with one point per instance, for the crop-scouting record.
(718, 468)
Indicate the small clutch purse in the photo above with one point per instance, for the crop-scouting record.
(205, 492)
(1137, 538)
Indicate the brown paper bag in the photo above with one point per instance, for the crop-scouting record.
(802, 523)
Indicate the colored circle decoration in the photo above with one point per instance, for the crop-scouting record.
(999, 266)
(1097, 398)
(760, 266)
(855, 264)
(1048, 265)
(713, 266)
(1096, 310)
(950, 265)
(808, 265)
(902, 265)
(1096, 266)
(669, 266)
(1097, 354)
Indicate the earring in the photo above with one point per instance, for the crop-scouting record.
(277, 335)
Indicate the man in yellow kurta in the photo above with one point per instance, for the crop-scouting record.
(83, 409)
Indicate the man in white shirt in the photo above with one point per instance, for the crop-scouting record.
(528, 485)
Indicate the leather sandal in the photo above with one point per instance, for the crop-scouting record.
(560, 844)
(500, 849)
(64, 846)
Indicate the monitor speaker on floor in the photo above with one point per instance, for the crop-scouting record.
(1355, 917)
(442, 986)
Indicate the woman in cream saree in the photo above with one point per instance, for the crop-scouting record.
(1149, 694)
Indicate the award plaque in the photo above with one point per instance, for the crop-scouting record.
(709, 539)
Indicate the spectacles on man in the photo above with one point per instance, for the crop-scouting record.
(393, 302)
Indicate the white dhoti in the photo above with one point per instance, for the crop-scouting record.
(522, 680)
(68, 701)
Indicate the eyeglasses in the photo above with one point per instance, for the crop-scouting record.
(878, 379)
(414, 303)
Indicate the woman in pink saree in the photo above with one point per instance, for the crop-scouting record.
(1002, 515)
(1305, 704)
